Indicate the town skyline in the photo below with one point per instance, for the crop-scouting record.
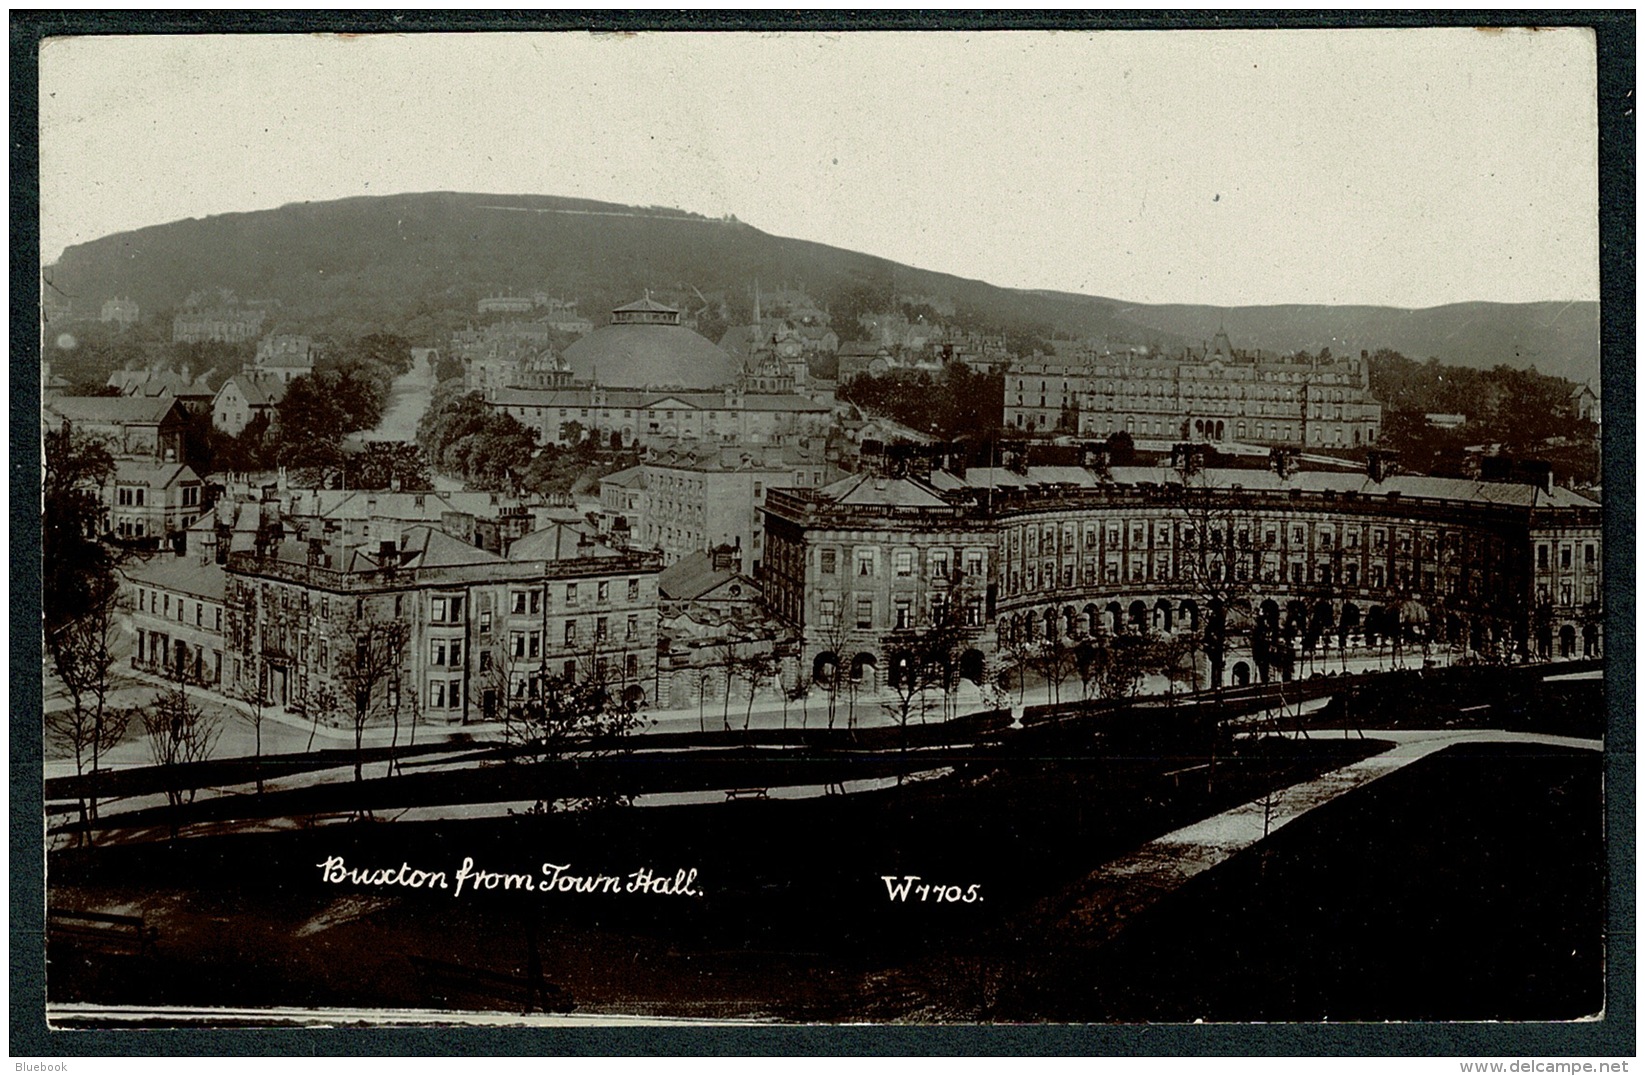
(1481, 186)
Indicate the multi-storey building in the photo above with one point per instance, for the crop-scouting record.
(123, 311)
(626, 417)
(430, 627)
(175, 611)
(242, 399)
(228, 324)
(1214, 395)
(689, 497)
(130, 427)
(284, 358)
(1068, 550)
(151, 500)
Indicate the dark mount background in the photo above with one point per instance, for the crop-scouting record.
(414, 263)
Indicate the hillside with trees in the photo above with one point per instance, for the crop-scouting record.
(1527, 414)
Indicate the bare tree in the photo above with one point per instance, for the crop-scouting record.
(81, 653)
(832, 636)
(729, 661)
(756, 669)
(256, 701)
(1052, 659)
(180, 734)
(560, 717)
(366, 670)
(1219, 558)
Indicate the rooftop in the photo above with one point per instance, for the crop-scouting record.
(180, 575)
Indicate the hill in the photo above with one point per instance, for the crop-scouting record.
(416, 265)
(1558, 338)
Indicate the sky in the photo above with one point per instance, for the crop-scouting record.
(1396, 167)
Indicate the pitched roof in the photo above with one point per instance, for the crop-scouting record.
(871, 489)
(560, 541)
(256, 391)
(628, 477)
(140, 410)
(153, 475)
(694, 576)
(180, 575)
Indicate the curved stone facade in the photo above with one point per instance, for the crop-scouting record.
(1320, 559)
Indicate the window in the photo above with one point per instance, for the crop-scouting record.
(1541, 558)
(865, 613)
(603, 593)
(828, 559)
(633, 590)
(516, 643)
(485, 622)
(168, 605)
(485, 661)
(1376, 577)
(217, 616)
(571, 593)
(865, 562)
(904, 614)
(517, 601)
(437, 694)
(633, 630)
(1352, 572)
(903, 562)
(325, 607)
(1299, 535)
(1353, 539)
(1565, 557)
(570, 633)
(436, 651)
(939, 563)
(1565, 596)
(973, 564)
(600, 628)
(454, 697)
(1588, 555)
(1379, 540)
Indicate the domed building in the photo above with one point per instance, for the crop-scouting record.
(646, 378)
(646, 347)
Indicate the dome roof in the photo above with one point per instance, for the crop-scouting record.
(650, 356)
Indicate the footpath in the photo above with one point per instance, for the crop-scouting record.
(1123, 887)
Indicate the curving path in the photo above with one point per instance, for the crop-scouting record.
(1123, 887)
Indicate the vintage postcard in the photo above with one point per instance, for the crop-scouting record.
(819, 528)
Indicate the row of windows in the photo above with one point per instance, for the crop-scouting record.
(1032, 540)
(530, 601)
(522, 685)
(160, 604)
(1590, 556)
(1296, 573)
(528, 644)
(865, 562)
(900, 613)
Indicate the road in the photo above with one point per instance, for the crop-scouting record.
(408, 398)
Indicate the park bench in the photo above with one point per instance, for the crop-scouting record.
(444, 983)
(103, 931)
(745, 794)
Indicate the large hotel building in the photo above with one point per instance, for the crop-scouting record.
(1214, 394)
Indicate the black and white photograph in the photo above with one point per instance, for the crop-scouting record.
(1096, 527)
